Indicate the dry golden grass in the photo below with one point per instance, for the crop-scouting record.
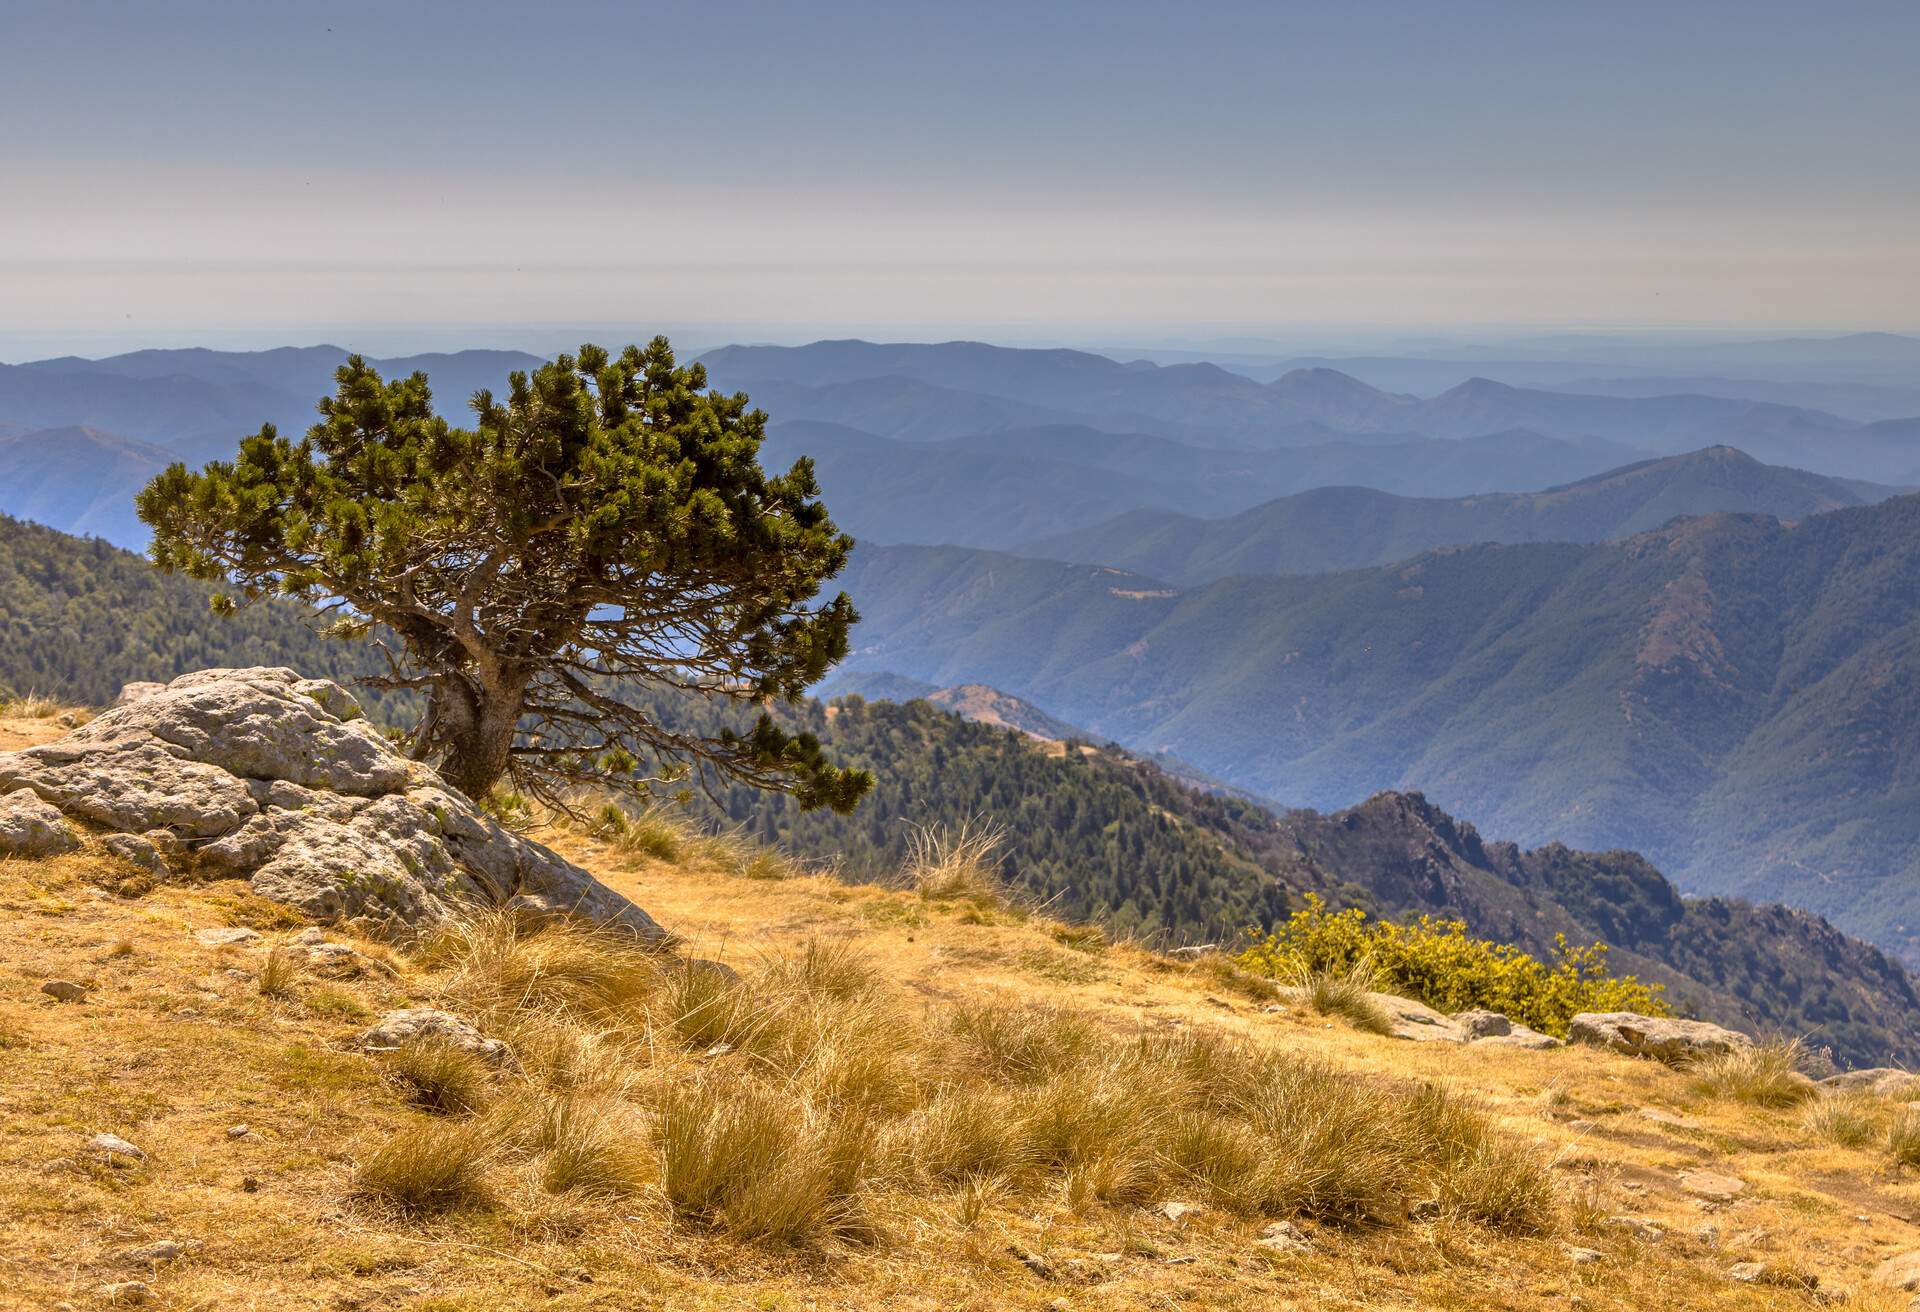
(887, 1100)
(428, 1166)
(958, 864)
(1344, 993)
(1765, 1075)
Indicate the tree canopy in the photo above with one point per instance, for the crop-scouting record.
(607, 524)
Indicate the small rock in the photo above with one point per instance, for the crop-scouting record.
(1519, 1036)
(1283, 1237)
(1427, 1209)
(1637, 1226)
(116, 1150)
(1178, 1211)
(1032, 1261)
(229, 936)
(1901, 1271)
(30, 827)
(249, 1185)
(1710, 1185)
(1764, 1273)
(1194, 951)
(163, 1250)
(412, 1024)
(126, 1293)
(1584, 1256)
(239, 1131)
(1659, 1117)
(64, 990)
(139, 851)
(1481, 1024)
(310, 937)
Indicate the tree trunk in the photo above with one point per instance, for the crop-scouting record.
(478, 727)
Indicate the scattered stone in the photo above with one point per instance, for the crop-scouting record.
(1033, 1262)
(1712, 1186)
(310, 937)
(117, 1151)
(1178, 1211)
(1194, 951)
(126, 1293)
(718, 1050)
(1659, 1117)
(412, 1024)
(1663, 1038)
(1519, 1036)
(226, 936)
(64, 990)
(1882, 1081)
(1283, 1237)
(281, 780)
(1481, 1024)
(249, 1185)
(1766, 1273)
(1584, 1256)
(30, 827)
(154, 1254)
(1901, 1271)
(137, 849)
(1407, 1019)
(1427, 1209)
(1637, 1226)
(239, 1131)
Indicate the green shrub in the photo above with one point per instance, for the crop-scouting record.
(1435, 962)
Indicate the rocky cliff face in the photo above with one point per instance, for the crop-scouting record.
(261, 774)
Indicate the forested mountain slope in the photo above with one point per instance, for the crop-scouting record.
(1734, 696)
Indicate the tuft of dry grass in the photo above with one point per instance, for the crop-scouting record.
(502, 966)
(593, 1145)
(1764, 1075)
(428, 1166)
(1903, 1137)
(762, 1163)
(958, 864)
(1845, 1120)
(31, 706)
(279, 973)
(655, 832)
(438, 1077)
(1344, 993)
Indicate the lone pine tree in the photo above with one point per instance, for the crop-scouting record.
(608, 524)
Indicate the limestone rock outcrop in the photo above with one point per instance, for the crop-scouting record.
(259, 773)
(1664, 1038)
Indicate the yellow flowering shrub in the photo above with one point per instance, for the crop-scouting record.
(1436, 962)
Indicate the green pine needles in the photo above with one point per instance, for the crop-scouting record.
(607, 526)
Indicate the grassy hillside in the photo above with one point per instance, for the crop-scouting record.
(904, 1102)
(1730, 695)
(1336, 528)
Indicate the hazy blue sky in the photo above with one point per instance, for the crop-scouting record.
(1024, 170)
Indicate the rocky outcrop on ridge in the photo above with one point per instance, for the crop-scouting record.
(259, 773)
